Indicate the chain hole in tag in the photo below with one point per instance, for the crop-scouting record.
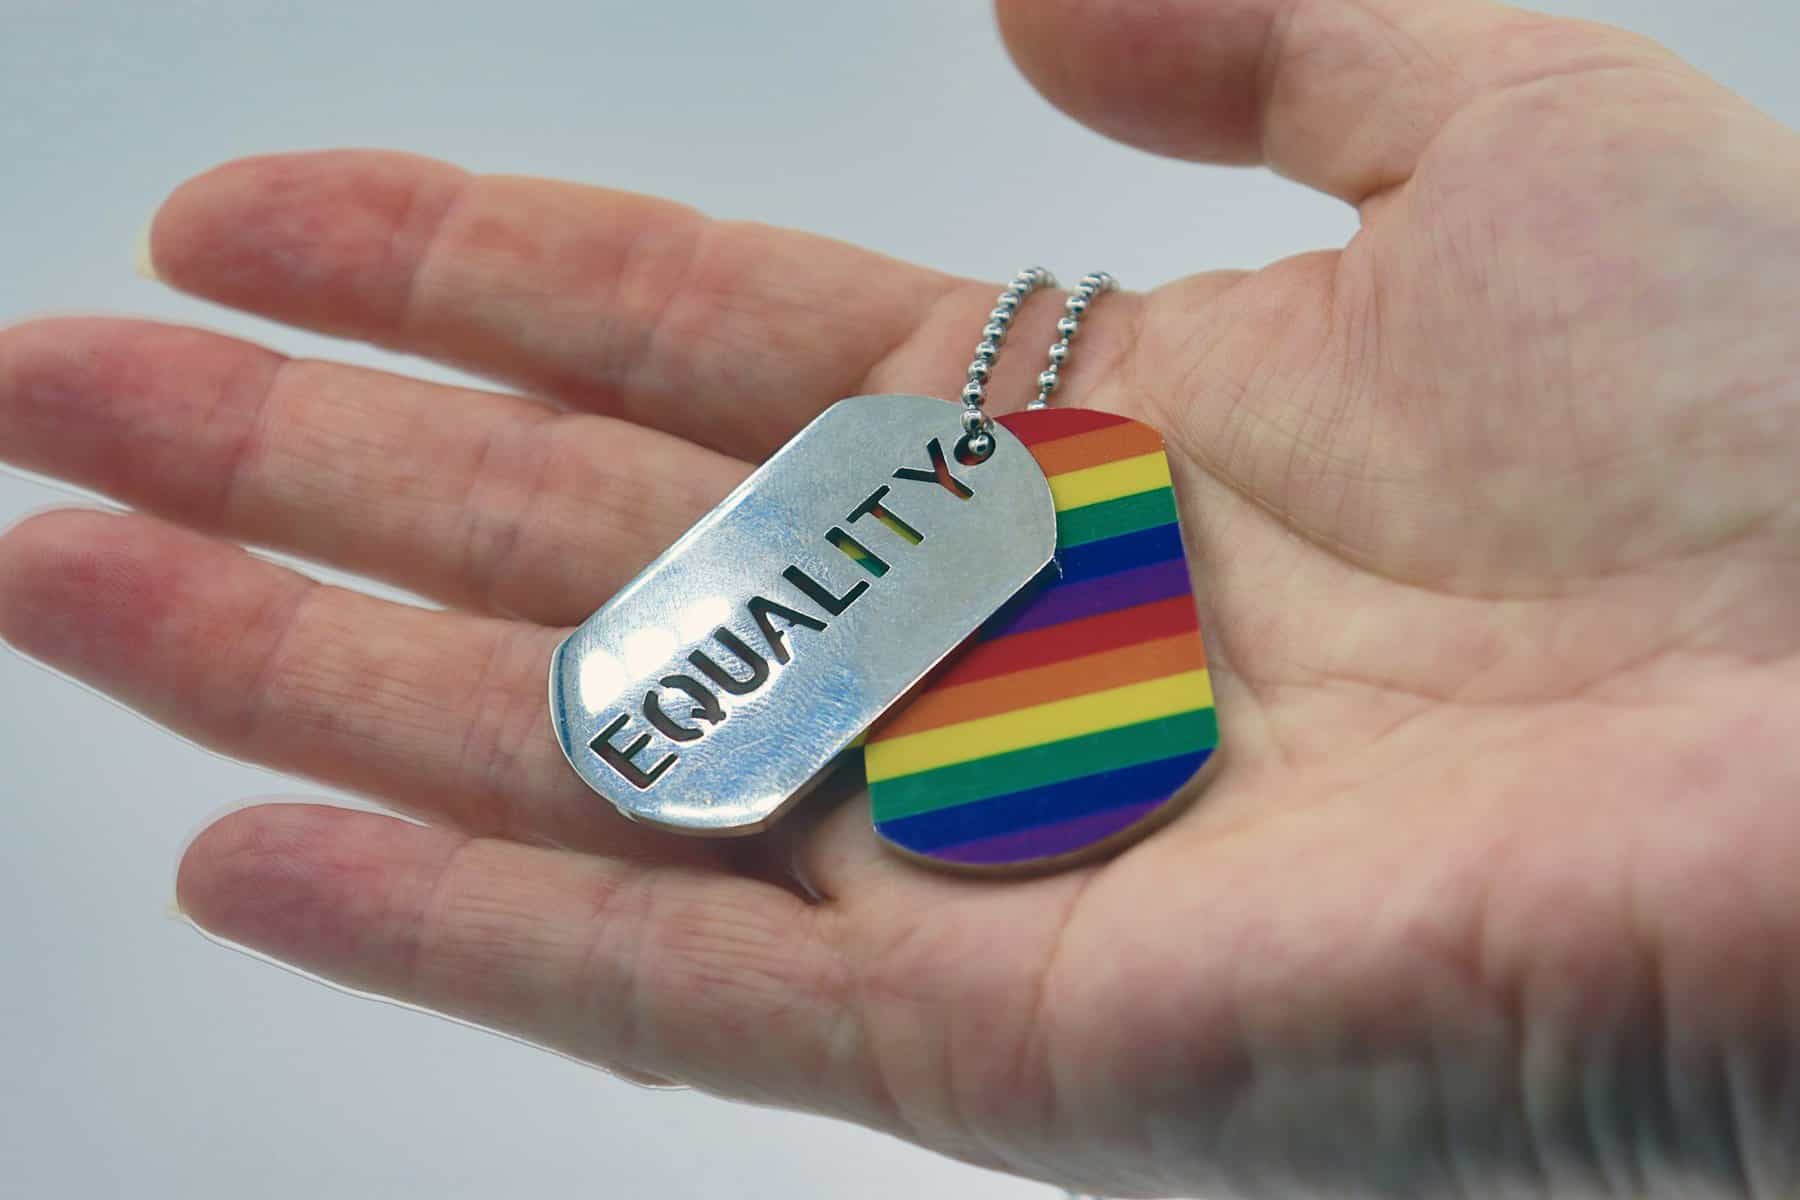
(965, 453)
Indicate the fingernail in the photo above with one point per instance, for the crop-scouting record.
(140, 254)
(645, 1080)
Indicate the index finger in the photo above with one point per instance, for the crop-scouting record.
(727, 333)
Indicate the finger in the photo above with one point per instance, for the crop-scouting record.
(695, 976)
(1340, 94)
(484, 501)
(729, 334)
(440, 714)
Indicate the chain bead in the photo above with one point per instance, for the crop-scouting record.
(1091, 287)
(993, 336)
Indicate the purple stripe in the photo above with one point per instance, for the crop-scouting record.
(1046, 841)
(1124, 589)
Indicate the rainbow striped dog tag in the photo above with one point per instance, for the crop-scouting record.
(1080, 710)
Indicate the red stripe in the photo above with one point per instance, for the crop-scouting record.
(1043, 424)
(1072, 639)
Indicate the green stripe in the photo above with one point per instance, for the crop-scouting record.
(1111, 518)
(1037, 766)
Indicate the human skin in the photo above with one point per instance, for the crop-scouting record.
(1495, 886)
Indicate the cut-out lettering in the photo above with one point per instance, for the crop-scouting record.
(856, 552)
(873, 507)
(756, 664)
(620, 758)
(821, 595)
(938, 474)
(706, 708)
(766, 612)
(717, 691)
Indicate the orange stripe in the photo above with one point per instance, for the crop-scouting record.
(1041, 685)
(1082, 450)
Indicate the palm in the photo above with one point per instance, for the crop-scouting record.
(1477, 645)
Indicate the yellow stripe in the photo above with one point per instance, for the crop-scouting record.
(1109, 481)
(1021, 728)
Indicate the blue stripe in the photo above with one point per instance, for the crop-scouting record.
(1109, 593)
(1109, 556)
(1140, 549)
(1119, 788)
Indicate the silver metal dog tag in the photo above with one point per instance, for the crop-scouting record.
(721, 682)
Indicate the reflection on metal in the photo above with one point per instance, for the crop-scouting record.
(716, 686)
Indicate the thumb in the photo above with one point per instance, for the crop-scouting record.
(1343, 95)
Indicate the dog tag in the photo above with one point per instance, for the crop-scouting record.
(1076, 718)
(719, 684)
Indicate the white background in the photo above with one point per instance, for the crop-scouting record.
(141, 1060)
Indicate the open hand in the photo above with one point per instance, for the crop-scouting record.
(1496, 882)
